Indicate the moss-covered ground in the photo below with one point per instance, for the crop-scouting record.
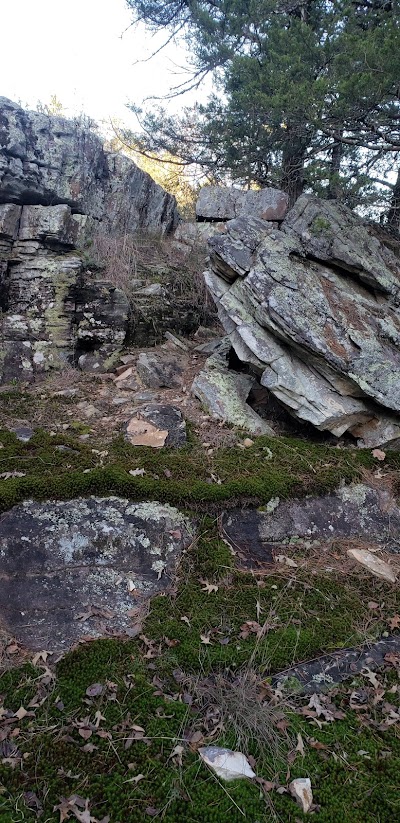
(111, 731)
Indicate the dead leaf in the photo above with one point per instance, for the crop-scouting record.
(94, 690)
(40, 656)
(205, 638)
(137, 472)
(394, 622)
(85, 733)
(196, 740)
(208, 587)
(371, 676)
(300, 745)
(135, 779)
(282, 558)
(185, 620)
(378, 454)
(21, 713)
(315, 744)
(89, 748)
(177, 755)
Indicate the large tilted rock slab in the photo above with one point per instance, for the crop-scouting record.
(79, 568)
(50, 160)
(331, 233)
(318, 323)
(217, 203)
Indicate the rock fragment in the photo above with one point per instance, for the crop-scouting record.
(300, 789)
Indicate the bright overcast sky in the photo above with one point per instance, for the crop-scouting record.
(85, 52)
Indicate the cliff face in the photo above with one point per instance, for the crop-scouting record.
(58, 185)
(50, 160)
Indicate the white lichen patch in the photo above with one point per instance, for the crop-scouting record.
(353, 494)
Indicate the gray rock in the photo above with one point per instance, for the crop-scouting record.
(367, 515)
(158, 371)
(332, 233)
(157, 426)
(69, 569)
(321, 674)
(223, 394)
(323, 342)
(54, 310)
(218, 203)
(23, 433)
(10, 216)
(50, 160)
(52, 225)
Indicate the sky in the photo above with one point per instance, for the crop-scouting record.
(88, 54)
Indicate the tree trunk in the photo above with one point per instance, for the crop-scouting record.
(393, 215)
(334, 185)
(293, 156)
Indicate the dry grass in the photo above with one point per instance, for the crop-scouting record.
(125, 258)
(242, 705)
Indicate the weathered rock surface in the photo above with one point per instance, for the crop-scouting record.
(223, 394)
(313, 310)
(50, 160)
(217, 203)
(53, 310)
(157, 425)
(358, 512)
(322, 673)
(158, 371)
(72, 569)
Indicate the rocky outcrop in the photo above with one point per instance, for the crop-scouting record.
(312, 308)
(216, 203)
(50, 160)
(57, 186)
(53, 309)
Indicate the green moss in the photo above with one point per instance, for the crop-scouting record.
(195, 634)
(180, 476)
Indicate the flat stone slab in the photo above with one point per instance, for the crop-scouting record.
(325, 672)
(74, 569)
(356, 512)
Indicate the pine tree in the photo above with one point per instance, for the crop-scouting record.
(308, 92)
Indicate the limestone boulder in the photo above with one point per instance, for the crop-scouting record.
(217, 203)
(223, 394)
(318, 323)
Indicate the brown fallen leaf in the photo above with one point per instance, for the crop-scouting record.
(136, 779)
(316, 744)
(378, 454)
(85, 733)
(21, 713)
(177, 755)
(300, 745)
(394, 622)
